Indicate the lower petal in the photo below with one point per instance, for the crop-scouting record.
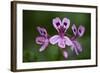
(54, 39)
(75, 49)
(78, 46)
(43, 47)
(68, 41)
(61, 43)
(65, 54)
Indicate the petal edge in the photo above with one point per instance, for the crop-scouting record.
(54, 39)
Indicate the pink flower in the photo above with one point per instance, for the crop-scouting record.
(61, 27)
(78, 32)
(61, 39)
(43, 39)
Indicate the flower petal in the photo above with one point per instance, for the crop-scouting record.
(56, 23)
(42, 31)
(66, 23)
(78, 46)
(61, 43)
(74, 29)
(75, 49)
(40, 40)
(81, 30)
(43, 47)
(65, 54)
(68, 41)
(54, 39)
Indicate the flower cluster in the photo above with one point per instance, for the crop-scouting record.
(61, 38)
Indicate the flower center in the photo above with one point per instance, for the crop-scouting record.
(61, 31)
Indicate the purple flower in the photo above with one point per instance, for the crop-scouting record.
(61, 27)
(43, 39)
(78, 32)
(61, 39)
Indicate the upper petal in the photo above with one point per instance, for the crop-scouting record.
(66, 23)
(56, 23)
(68, 41)
(42, 31)
(61, 43)
(74, 29)
(40, 40)
(81, 30)
(54, 39)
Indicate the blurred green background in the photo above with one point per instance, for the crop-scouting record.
(32, 19)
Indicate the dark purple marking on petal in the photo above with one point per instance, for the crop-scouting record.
(80, 30)
(40, 41)
(42, 31)
(65, 23)
(74, 30)
(57, 24)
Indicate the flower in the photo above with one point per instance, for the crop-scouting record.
(61, 27)
(61, 39)
(78, 32)
(43, 39)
